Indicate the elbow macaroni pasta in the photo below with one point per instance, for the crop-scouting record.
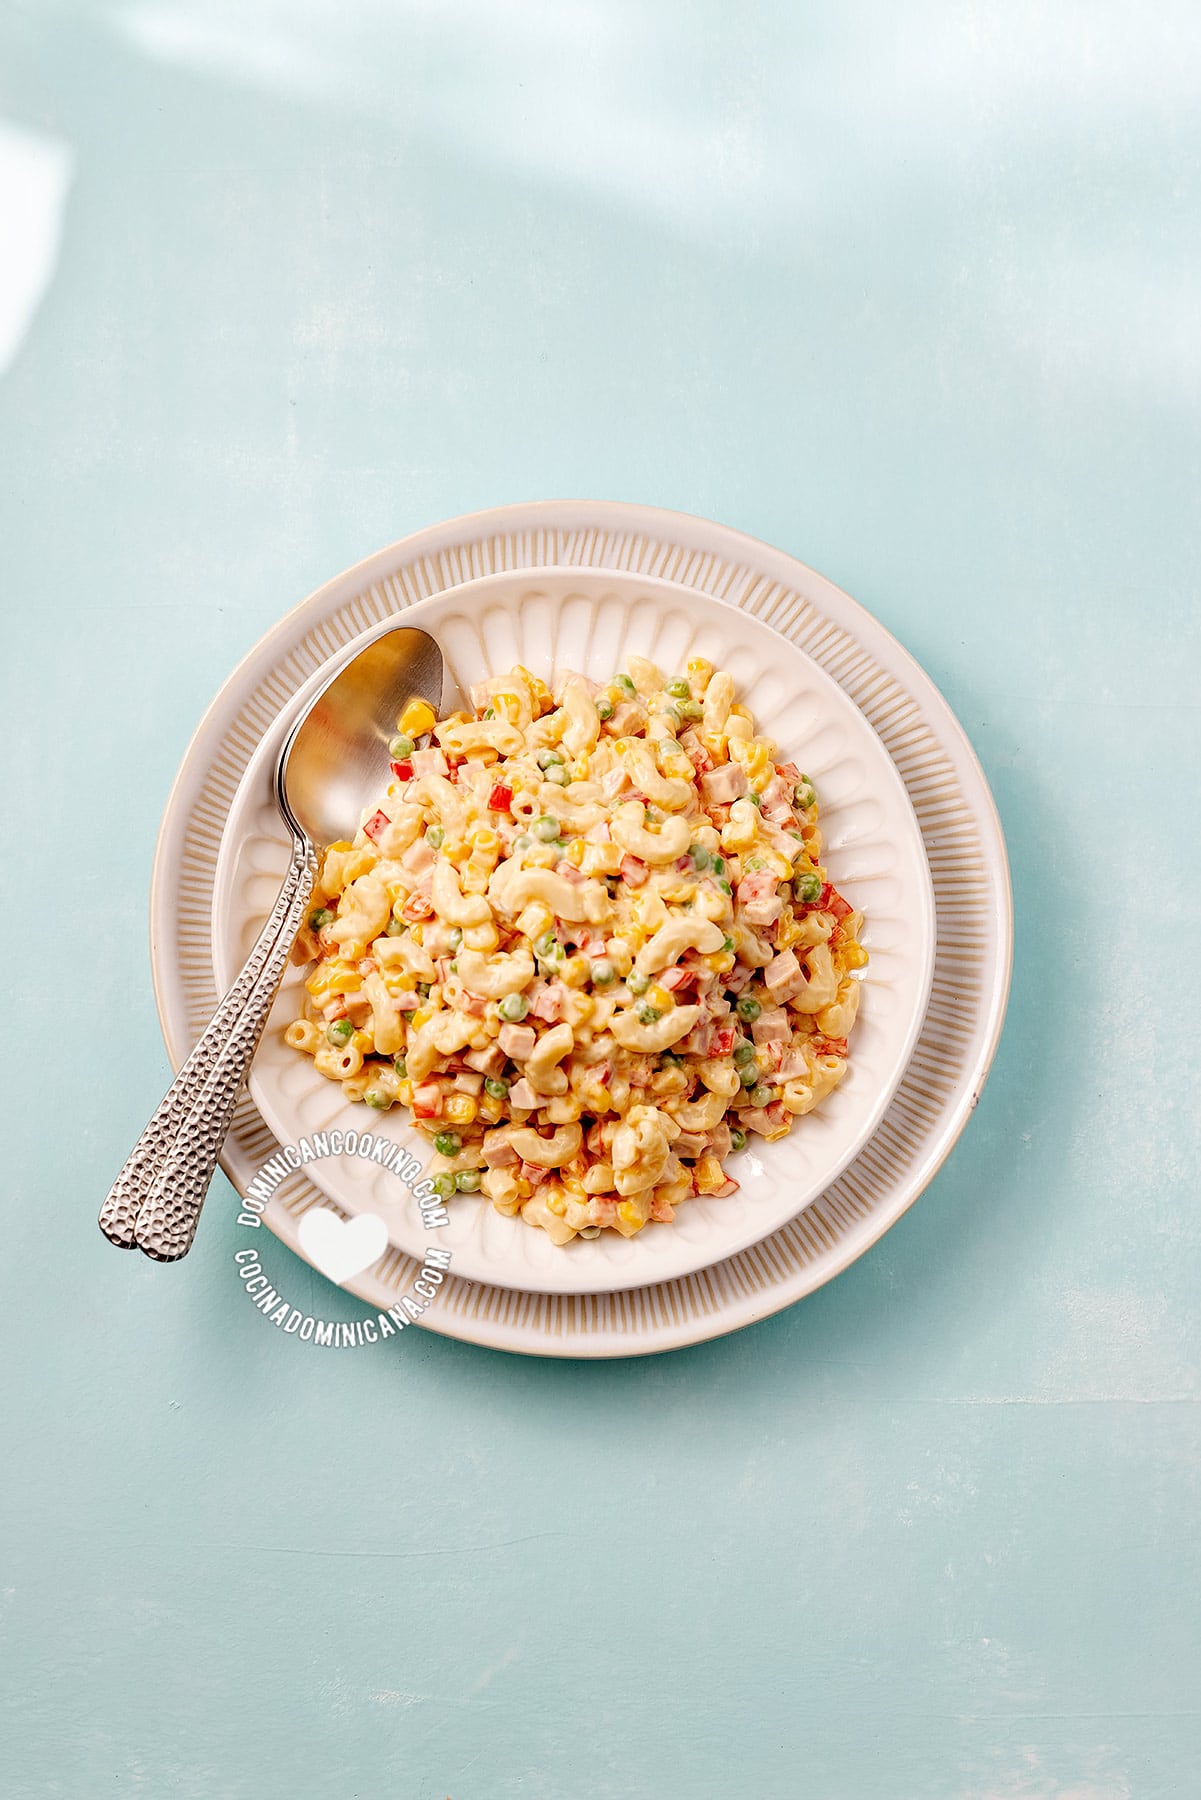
(587, 940)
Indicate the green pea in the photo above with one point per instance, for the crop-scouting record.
(649, 1015)
(744, 1052)
(401, 1067)
(718, 865)
(638, 984)
(454, 967)
(625, 684)
(522, 841)
(377, 1098)
(444, 1185)
(603, 972)
(447, 1143)
(678, 689)
(755, 799)
(547, 944)
(490, 712)
(604, 708)
(423, 988)
(435, 837)
(455, 940)
(513, 1007)
(558, 774)
(321, 917)
(762, 1095)
(545, 758)
(400, 747)
(546, 829)
(737, 1138)
(803, 794)
(725, 887)
(748, 1008)
(749, 1076)
(396, 928)
(700, 857)
(691, 709)
(808, 888)
(727, 943)
(496, 1088)
(754, 863)
(468, 1181)
(340, 1032)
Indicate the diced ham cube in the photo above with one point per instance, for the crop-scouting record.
(766, 1120)
(522, 1096)
(789, 773)
(724, 784)
(633, 871)
(473, 1004)
(428, 762)
(418, 857)
(498, 1152)
(793, 1065)
(570, 873)
(489, 1062)
(534, 1173)
(772, 1027)
(720, 1141)
(408, 1000)
(468, 1083)
(689, 1143)
(612, 782)
(547, 1001)
(784, 976)
(757, 894)
(517, 1041)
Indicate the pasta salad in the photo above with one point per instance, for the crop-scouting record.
(587, 940)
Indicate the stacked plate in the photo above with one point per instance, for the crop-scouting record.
(911, 837)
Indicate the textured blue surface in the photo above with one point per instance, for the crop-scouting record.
(911, 292)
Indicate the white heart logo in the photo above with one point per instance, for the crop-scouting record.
(341, 1248)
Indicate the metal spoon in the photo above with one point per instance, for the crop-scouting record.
(328, 771)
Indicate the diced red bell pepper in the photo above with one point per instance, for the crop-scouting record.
(403, 771)
(427, 1100)
(832, 901)
(501, 798)
(377, 823)
(824, 1046)
(721, 1040)
(633, 870)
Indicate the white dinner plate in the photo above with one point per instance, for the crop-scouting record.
(962, 834)
(563, 620)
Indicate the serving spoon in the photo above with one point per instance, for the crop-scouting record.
(327, 772)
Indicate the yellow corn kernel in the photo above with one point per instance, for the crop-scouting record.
(524, 1188)
(602, 859)
(660, 997)
(699, 670)
(709, 1175)
(417, 718)
(556, 1202)
(362, 1040)
(342, 844)
(534, 919)
(456, 850)
(630, 1218)
(404, 1092)
(715, 743)
(491, 1109)
(575, 971)
(853, 956)
(333, 978)
(461, 1109)
(483, 838)
(583, 763)
(421, 1017)
(575, 851)
(721, 961)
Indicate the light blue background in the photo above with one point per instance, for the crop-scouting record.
(913, 293)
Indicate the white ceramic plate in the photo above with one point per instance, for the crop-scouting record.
(964, 844)
(570, 620)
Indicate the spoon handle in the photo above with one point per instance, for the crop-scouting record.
(118, 1215)
(170, 1212)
